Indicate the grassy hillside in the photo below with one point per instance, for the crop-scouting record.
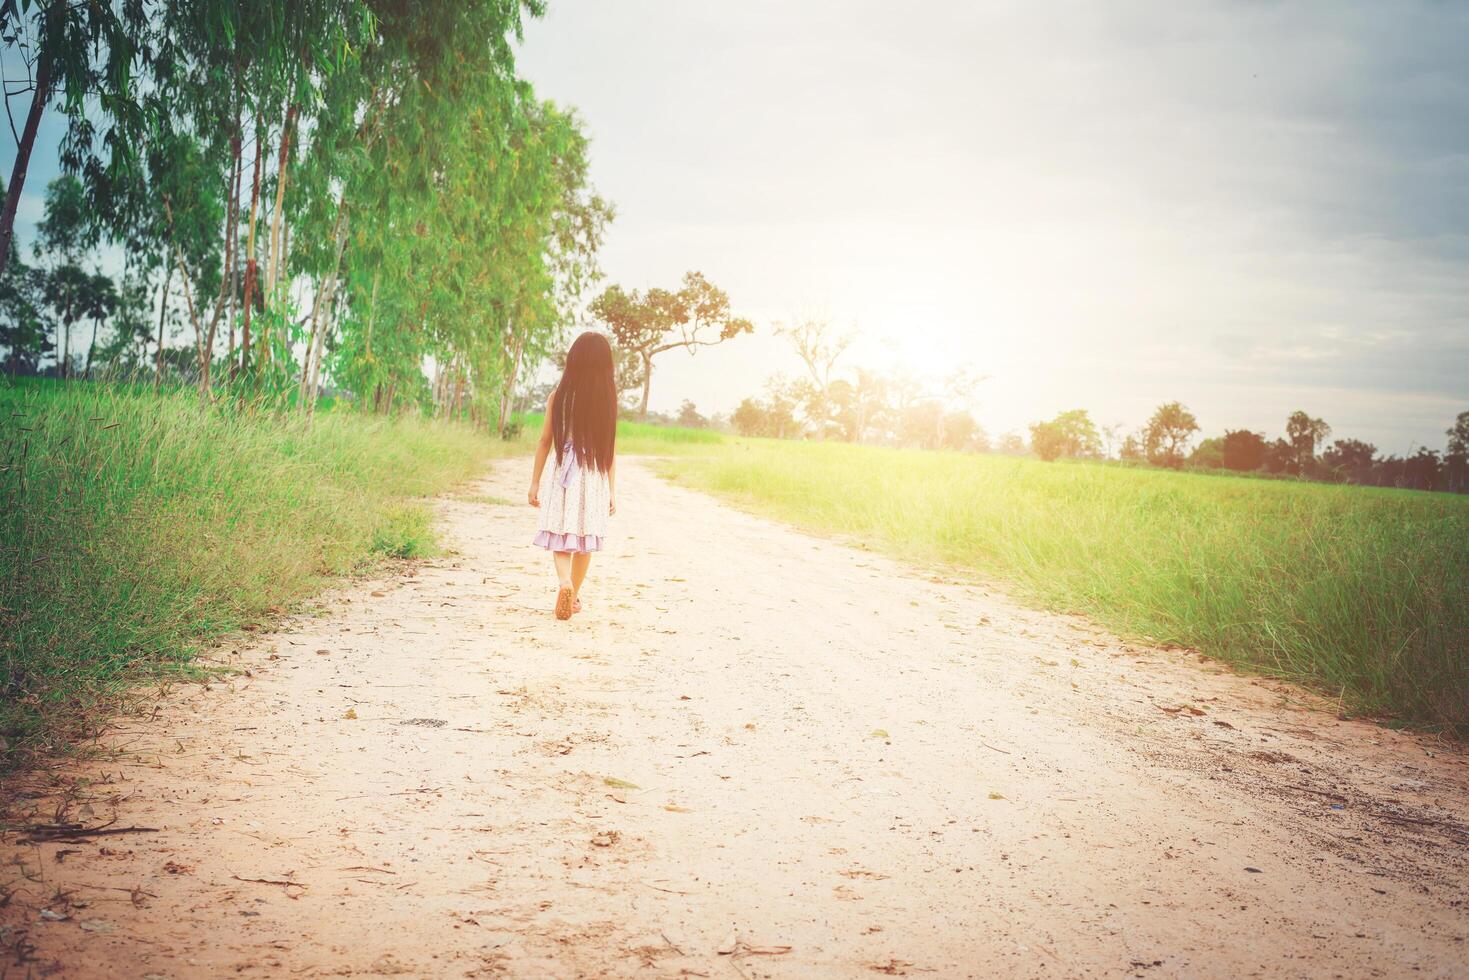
(136, 526)
(1361, 592)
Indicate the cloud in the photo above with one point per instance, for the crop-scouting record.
(1104, 204)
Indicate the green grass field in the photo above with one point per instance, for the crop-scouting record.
(135, 528)
(640, 438)
(1361, 593)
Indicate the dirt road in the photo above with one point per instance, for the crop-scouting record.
(755, 754)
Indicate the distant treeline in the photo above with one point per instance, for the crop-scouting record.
(1167, 440)
(895, 410)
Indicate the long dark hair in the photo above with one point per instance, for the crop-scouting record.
(584, 410)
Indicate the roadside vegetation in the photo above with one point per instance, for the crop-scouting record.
(138, 527)
(1361, 593)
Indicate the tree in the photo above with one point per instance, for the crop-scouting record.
(63, 235)
(132, 322)
(957, 390)
(1423, 470)
(1280, 457)
(819, 345)
(84, 53)
(962, 432)
(1305, 434)
(689, 417)
(1459, 435)
(861, 405)
(772, 416)
(749, 418)
(1243, 450)
(362, 188)
(1351, 459)
(918, 425)
(1070, 434)
(658, 321)
(1011, 444)
(97, 302)
(1047, 441)
(1208, 454)
(22, 323)
(1167, 434)
(1456, 456)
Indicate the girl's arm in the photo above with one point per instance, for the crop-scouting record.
(543, 449)
(612, 486)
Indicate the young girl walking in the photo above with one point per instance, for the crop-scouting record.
(576, 495)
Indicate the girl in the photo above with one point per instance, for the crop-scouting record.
(581, 423)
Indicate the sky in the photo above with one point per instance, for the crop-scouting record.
(1250, 207)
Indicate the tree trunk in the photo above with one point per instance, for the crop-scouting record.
(317, 303)
(647, 384)
(63, 368)
(251, 266)
(232, 241)
(305, 395)
(277, 239)
(316, 372)
(202, 352)
(371, 315)
(91, 349)
(162, 315)
(39, 98)
(508, 393)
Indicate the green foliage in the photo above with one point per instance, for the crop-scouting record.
(354, 190)
(1208, 454)
(136, 527)
(1167, 434)
(1071, 434)
(1243, 450)
(645, 325)
(1356, 591)
(23, 330)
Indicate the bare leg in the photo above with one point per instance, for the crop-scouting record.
(565, 594)
(579, 566)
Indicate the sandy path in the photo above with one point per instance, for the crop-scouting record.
(842, 768)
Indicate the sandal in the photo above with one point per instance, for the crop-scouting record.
(564, 599)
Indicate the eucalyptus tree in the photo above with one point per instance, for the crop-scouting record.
(363, 187)
(22, 323)
(473, 230)
(97, 303)
(131, 323)
(83, 55)
(193, 204)
(63, 235)
(239, 78)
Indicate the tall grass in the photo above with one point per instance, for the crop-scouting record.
(136, 526)
(1361, 592)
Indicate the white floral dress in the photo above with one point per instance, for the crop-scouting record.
(575, 500)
